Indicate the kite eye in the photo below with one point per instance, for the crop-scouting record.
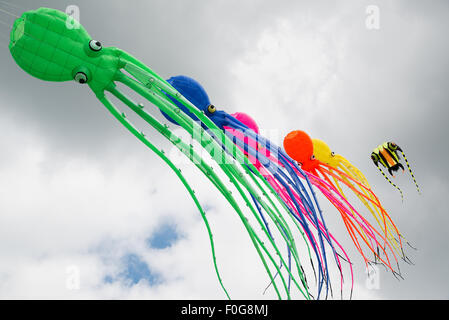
(211, 109)
(374, 157)
(312, 157)
(95, 45)
(80, 77)
(333, 154)
(392, 145)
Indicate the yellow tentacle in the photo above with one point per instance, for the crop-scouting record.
(376, 211)
(411, 172)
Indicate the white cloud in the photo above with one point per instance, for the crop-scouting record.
(307, 68)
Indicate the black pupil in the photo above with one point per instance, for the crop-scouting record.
(82, 78)
(95, 45)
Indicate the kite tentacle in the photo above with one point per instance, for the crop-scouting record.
(354, 170)
(353, 213)
(276, 171)
(158, 99)
(391, 182)
(388, 225)
(410, 170)
(280, 216)
(371, 197)
(122, 119)
(372, 230)
(253, 236)
(375, 207)
(336, 203)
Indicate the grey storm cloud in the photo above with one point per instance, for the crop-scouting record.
(391, 84)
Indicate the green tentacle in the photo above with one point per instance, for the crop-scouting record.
(227, 164)
(122, 119)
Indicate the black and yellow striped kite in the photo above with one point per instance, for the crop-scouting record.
(387, 155)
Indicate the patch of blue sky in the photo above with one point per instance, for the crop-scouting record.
(164, 237)
(133, 270)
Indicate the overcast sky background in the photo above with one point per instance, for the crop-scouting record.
(78, 193)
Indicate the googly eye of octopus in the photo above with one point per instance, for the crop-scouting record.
(81, 77)
(95, 45)
(211, 108)
(333, 154)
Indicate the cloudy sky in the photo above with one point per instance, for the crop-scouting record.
(86, 211)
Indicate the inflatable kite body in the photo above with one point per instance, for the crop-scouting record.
(387, 155)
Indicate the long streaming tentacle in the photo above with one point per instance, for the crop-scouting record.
(373, 204)
(349, 216)
(253, 152)
(387, 244)
(366, 196)
(154, 98)
(354, 173)
(366, 226)
(295, 221)
(209, 171)
(360, 176)
(394, 235)
(271, 235)
(340, 176)
(410, 170)
(261, 156)
(277, 173)
(357, 175)
(333, 200)
(150, 81)
(391, 182)
(283, 156)
(119, 116)
(298, 224)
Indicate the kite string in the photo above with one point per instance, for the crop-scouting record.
(4, 39)
(5, 24)
(391, 182)
(410, 170)
(13, 5)
(9, 13)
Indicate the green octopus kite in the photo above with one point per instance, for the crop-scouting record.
(43, 46)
